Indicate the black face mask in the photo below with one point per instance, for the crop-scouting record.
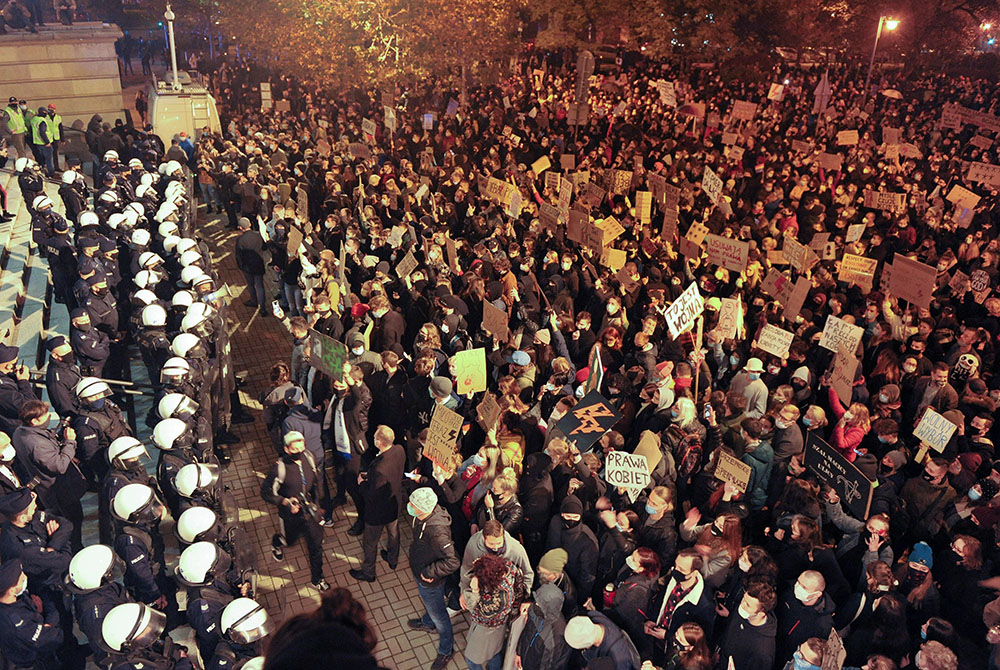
(715, 531)
(927, 476)
(296, 456)
(101, 291)
(567, 523)
(498, 551)
(83, 327)
(677, 575)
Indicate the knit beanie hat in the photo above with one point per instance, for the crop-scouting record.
(554, 561)
(571, 505)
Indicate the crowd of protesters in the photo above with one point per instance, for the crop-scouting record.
(416, 234)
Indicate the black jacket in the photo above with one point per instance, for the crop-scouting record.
(432, 553)
(381, 487)
(797, 622)
(749, 647)
(250, 253)
(581, 545)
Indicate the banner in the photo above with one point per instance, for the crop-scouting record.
(589, 419)
(850, 484)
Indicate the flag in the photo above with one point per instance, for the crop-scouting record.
(823, 94)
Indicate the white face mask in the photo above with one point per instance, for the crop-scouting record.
(743, 613)
(745, 565)
(556, 415)
(631, 565)
(801, 594)
(357, 351)
(781, 425)
(25, 588)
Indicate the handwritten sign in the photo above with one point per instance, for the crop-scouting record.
(850, 484)
(743, 110)
(696, 233)
(857, 269)
(829, 161)
(327, 355)
(912, 280)
(776, 92)
(777, 285)
(442, 436)
(406, 266)
(682, 312)
(934, 430)
(712, 185)
(644, 206)
(796, 298)
(845, 366)
(774, 340)
(494, 321)
(470, 371)
(627, 471)
(541, 165)
(801, 257)
(837, 333)
(979, 280)
(488, 411)
(847, 138)
(733, 470)
(589, 419)
(730, 318)
(368, 129)
(854, 232)
(612, 229)
(985, 173)
(728, 253)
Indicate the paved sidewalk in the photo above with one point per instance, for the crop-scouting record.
(258, 343)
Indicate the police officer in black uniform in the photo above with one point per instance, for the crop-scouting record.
(61, 376)
(91, 580)
(98, 422)
(154, 345)
(39, 539)
(91, 346)
(175, 440)
(30, 637)
(125, 457)
(15, 389)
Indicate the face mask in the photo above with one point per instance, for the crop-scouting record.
(569, 523)
(650, 509)
(754, 376)
(734, 361)
(677, 575)
(927, 476)
(21, 591)
(744, 566)
(101, 291)
(612, 309)
(800, 663)
(806, 421)
(444, 328)
(716, 531)
(498, 551)
(96, 404)
(883, 398)
(923, 634)
(567, 266)
(909, 369)
(673, 415)
(357, 351)
(620, 528)
(742, 612)
(801, 594)
(411, 509)
(773, 369)
(974, 495)
(478, 460)
(781, 425)
(632, 566)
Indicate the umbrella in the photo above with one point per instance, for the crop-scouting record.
(692, 110)
(892, 93)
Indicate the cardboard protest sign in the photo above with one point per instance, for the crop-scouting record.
(963, 196)
(576, 228)
(567, 162)
(777, 285)
(712, 185)
(774, 340)
(830, 161)
(912, 280)
(682, 312)
(959, 281)
(885, 200)
(494, 321)
(548, 215)
(429, 121)
(470, 371)
(845, 366)
(837, 333)
(627, 471)
(294, 240)
(589, 420)
(934, 430)
(593, 194)
(644, 206)
(798, 146)
(797, 298)
(891, 135)
(669, 229)
(727, 252)
(776, 257)
(390, 118)
(857, 269)
(614, 259)
(283, 106)
(801, 257)
(359, 150)
(951, 117)
(688, 248)
(979, 280)
(327, 355)
(729, 139)
(835, 654)
(696, 233)
(541, 165)
(368, 128)
(612, 229)
(406, 266)
(846, 138)
(442, 437)
(649, 448)
(488, 411)
(984, 173)
(743, 110)
(552, 181)
(731, 469)
(730, 318)
(736, 153)
(850, 484)
(818, 241)
(776, 92)
(854, 232)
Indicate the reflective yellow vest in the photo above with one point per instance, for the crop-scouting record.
(53, 127)
(15, 120)
(35, 123)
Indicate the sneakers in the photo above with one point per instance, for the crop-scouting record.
(441, 661)
(452, 613)
(360, 575)
(418, 624)
(321, 586)
(277, 553)
(327, 522)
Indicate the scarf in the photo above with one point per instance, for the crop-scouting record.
(341, 438)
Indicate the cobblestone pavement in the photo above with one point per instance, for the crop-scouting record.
(284, 589)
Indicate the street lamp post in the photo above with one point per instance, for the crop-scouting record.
(169, 16)
(888, 24)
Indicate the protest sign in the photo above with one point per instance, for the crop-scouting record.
(614, 259)
(981, 142)
(494, 321)
(429, 121)
(963, 196)
(390, 118)
(829, 161)
(885, 200)
(359, 150)
(891, 135)
(801, 257)
(625, 470)
(712, 185)
(774, 340)
(620, 182)
(736, 153)
(798, 146)
(552, 180)
(612, 229)
(837, 333)
(729, 139)
(682, 312)
(845, 366)
(730, 318)
(689, 249)
(979, 280)
(669, 229)
(951, 117)
(934, 430)
(857, 269)
(912, 280)
(985, 173)
(470, 371)
(283, 106)
(818, 241)
(959, 281)
(294, 240)
(406, 266)
(576, 228)
(776, 257)
(777, 285)
(649, 448)
(644, 206)
(696, 233)
(327, 355)
(567, 162)
(593, 194)
(541, 165)
(796, 298)
(854, 232)
(727, 252)
(776, 92)
(368, 129)
(589, 420)
(731, 469)
(548, 215)
(849, 483)
(834, 655)
(846, 138)
(743, 110)
(442, 436)
(488, 411)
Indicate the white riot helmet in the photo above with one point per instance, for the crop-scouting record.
(110, 197)
(131, 219)
(195, 478)
(161, 168)
(173, 188)
(165, 211)
(22, 163)
(149, 259)
(143, 297)
(87, 219)
(92, 387)
(110, 154)
(191, 257)
(154, 316)
(135, 163)
(245, 621)
(92, 567)
(201, 279)
(116, 220)
(140, 238)
(190, 273)
(68, 177)
(131, 626)
(171, 434)
(146, 279)
(137, 207)
(186, 244)
(136, 504)
(8, 453)
(176, 405)
(255, 663)
(143, 188)
(167, 229)
(202, 562)
(172, 167)
(175, 370)
(182, 299)
(194, 523)
(170, 241)
(42, 202)
(125, 450)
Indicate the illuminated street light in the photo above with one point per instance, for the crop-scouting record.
(888, 24)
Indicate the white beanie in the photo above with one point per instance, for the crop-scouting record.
(581, 632)
(424, 499)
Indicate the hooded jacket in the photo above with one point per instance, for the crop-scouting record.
(581, 545)
(432, 553)
(797, 622)
(542, 645)
(513, 551)
(749, 647)
(761, 461)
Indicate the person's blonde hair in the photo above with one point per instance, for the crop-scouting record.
(507, 481)
(859, 416)
(817, 415)
(559, 452)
